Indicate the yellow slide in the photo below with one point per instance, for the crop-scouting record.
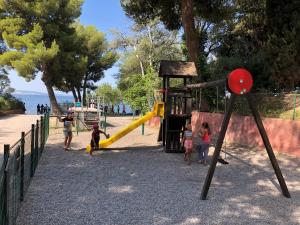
(158, 110)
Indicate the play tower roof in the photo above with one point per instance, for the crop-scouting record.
(177, 69)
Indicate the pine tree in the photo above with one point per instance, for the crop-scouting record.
(35, 31)
(99, 57)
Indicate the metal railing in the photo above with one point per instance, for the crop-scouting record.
(20, 161)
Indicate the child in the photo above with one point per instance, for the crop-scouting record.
(188, 143)
(204, 144)
(68, 123)
(96, 138)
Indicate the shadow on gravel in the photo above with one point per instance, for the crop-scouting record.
(123, 187)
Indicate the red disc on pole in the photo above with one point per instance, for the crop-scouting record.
(240, 81)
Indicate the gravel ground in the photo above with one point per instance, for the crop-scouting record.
(136, 183)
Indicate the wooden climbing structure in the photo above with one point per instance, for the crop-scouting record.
(178, 102)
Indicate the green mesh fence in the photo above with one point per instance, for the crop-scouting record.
(18, 166)
(270, 105)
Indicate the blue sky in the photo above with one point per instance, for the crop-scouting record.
(105, 15)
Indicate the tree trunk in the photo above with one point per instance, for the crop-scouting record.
(74, 94)
(151, 45)
(54, 105)
(84, 91)
(140, 61)
(78, 94)
(188, 22)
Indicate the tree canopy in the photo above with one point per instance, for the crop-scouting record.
(262, 36)
(35, 31)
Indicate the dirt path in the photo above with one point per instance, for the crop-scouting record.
(137, 183)
(11, 127)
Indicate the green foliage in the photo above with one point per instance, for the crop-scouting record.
(83, 61)
(136, 95)
(5, 83)
(111, 95)
(96, 50)
(27, 52)
(283, 45)
(138, 77)
(36, 33)
(169, 11)
(8, 102)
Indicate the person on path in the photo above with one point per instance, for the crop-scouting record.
(124, 110)
(38, 109)
(68, 123)
(112, 109)
(187, 142)
(203, 146)
(96, 137)
(45, 109)
(118, 110)
(42, 109)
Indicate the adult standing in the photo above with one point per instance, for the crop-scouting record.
(68, 123)
(42, 109)
(118, 110)
(38, 109)
(112, 108)
(46, 108)
(124, 110)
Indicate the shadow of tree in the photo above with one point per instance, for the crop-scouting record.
(144, 185)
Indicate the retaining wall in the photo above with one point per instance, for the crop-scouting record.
(284, 135)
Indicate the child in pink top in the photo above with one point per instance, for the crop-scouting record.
(204, 144)
(187, 142)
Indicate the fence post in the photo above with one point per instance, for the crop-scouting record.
(294, 110)
(48, 125)
(32, 151)
(105, 122)
(45, 128)
(36, 150)
(22, 166)
(5, 161)
(41, 133)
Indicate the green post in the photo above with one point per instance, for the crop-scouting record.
(22, 166)
(32, 151)
(77, 117)
(143, 129)
(143, 126)
(36, 150)
(48, 125)
(294, 111)
(104, 122)
(41, 135)
(5, 161)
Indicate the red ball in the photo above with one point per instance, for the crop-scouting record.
(240, 81)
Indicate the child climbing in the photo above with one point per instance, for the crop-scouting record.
(204, 143)
(68, 123)
(96, 137)
(187, 142)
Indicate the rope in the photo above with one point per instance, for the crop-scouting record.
(200, 100)
(225, 110)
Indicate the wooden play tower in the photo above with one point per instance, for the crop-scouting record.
(178, 102)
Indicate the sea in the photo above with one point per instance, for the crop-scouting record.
(32, 100)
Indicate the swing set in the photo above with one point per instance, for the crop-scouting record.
(198, 96)
(239, 83)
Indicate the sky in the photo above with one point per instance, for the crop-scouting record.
(105, 16)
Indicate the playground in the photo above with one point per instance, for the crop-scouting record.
(136, 182)
(131, 179)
